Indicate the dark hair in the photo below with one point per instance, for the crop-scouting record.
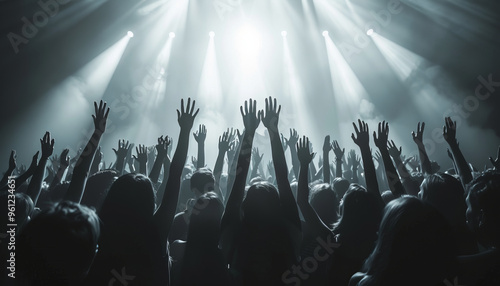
(130, 201)
(446, 194)
(415, 244)
(483, 214)
(261, 202)
(97, 188)
(202, 181)
(340, 185)
(325, 202)
(58, 245)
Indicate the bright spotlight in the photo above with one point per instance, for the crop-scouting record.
(325, 33)
(130, 34)
(283, 33)
(370, 32)
(211, 34)
(171, 35)
(248, 44)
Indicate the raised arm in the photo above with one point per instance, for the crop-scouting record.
(161, 150)
(339, 154)
(96, 162)
(35, 186)
(165, 214)
(219, 162)
(424, 158)
(449, 134)
(82, 167)
(121, 154)
(362, 139)
(251, 120)
(393, 180)
(63, 166)
(294, 137)
(142, 158)
(354, 161)
(326, 160)
(256, 160)
(233, 162)
(200, 137)
(12, 167)
(310, 215)
(270, 120)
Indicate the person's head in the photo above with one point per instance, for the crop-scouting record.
(325, 203)
(202, 181)
(58, 246)
(340, 185)
(130, 200)
(415, 243)
(446, 194)
(483, 213)
(204, 222)
(262, 202)
(360, 213)
(97, 187)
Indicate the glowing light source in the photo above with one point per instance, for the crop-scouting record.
(248, 44)
(370, 32)
(283, 33)
(211, 34)
(171, 35)
(130, 34)
(325, 33)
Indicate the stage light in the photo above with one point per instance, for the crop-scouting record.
(283, 33)
(171, 35)
(248, 44)
(130, 34)
(325, 33)
(211, 34)
(370, 32)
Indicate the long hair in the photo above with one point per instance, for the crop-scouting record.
(415, 245)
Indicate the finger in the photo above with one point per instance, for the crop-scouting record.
(95, 108)
(182, 106)
(241, 111)
(246, 107)
(196, 113)
(188, 105)
(192, 107)
(423, 126)
(107, 113)
(178, 114)
(355, 129)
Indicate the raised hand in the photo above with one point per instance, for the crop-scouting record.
(418, 136)
(339, 153)
(186, 117)
(353, 159)
(100, 117)
(231, 152)
(64, 159)
(224, 141)
(383, 135)
(271, 116)
(47, 145)
(162, 146)
(34, 164)
(294, 137)
(256, 157)
(378, 158)
(12, 160)
(393, 150)
(450, 131)
(201, 134)
(251, 119)
(284, 142)
(305, 156)
(362, 138)
(123, 148)
(142, 154)
(496, 162)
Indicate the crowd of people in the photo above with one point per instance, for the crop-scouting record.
(152, 218)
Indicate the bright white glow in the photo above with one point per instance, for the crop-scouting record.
(211, 34)
(283, 33)
(171, 35)
(130, 34)
(325, 33)
(248, 44)
(369, 32)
